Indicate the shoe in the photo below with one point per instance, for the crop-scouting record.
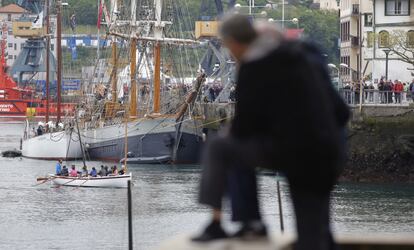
(251, 232)
(214, 231)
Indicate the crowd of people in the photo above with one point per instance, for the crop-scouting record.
(83, 172)
(385, 92)
(212, 91)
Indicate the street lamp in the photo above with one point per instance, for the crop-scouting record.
(333, 66)
(387, 52)
(294, 21)
(252, 5)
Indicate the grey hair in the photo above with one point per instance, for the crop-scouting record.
(238, 28)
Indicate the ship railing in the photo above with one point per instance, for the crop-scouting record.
(373, 97)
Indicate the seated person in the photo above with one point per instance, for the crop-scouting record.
(123, 170)
(84, 171)
(65, 171)
(115, 171)
(102, 171)
(106, 171)
(73, 172)
(93, 172)
(59, 167)
(40, 130)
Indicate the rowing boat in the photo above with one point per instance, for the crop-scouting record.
(116, 181)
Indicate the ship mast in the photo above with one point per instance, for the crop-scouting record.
(158, 34)
(133, 90)
(47, 59)
(59, 57)
(114, 79)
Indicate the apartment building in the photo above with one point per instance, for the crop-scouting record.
(14, 44)
(366, 29)
(327, 4)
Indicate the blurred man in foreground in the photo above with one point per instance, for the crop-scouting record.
(300, 133)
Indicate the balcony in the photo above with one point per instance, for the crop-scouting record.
(354, 41)
(355, 9)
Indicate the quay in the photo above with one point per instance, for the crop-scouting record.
(285, 242)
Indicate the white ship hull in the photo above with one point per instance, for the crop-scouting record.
(118, 181)
(52, 146)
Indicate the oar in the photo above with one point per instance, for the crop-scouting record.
(65, 183)
(44, 180)
(81, 184)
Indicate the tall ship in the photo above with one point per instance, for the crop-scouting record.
(60, 138)
(149, 99)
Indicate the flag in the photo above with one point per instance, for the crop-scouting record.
(73, 22)
(100, 15)
(72, 46)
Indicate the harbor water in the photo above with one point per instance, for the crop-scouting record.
(164, 205)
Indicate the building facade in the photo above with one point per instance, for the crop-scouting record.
(367, 29)
(327, 4)
(9, 14)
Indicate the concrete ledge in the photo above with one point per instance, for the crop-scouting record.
(183, 242)
(284, 242)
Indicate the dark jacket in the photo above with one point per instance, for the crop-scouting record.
(287, 100)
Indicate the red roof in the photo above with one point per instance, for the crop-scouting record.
(293, 33)
(12, 8)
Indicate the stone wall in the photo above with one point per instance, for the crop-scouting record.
(381, 141)
(381, 145)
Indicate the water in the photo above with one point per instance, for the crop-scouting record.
(164, 205)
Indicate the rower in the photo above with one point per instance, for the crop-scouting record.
(84, 171)
(73, 172)
(93, 172)
(39, 130)
(115, 171)
(102, 172)
(122, 171)
(65, 171)
(59, 167)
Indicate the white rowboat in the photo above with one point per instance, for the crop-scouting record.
(118, 181)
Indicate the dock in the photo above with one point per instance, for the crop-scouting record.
(285, 242)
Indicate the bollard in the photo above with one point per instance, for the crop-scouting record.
(130, 241)
(279, 199)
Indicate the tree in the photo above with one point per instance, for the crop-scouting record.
(401, 44)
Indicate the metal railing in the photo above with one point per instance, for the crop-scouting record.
(376, 97)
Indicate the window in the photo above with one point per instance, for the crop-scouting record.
(9, 17)
(345, 70)
(345, 32)
(383, 39)
(15, 46)
(52, 47)
(397, 7)
(10, 56)
(410, 38)
(10, 45)
(368, 19)
(370, 39)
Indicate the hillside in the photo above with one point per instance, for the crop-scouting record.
(319, 26)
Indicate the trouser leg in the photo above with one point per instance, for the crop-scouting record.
(214, 175)
(312, 220)
(243, 194)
